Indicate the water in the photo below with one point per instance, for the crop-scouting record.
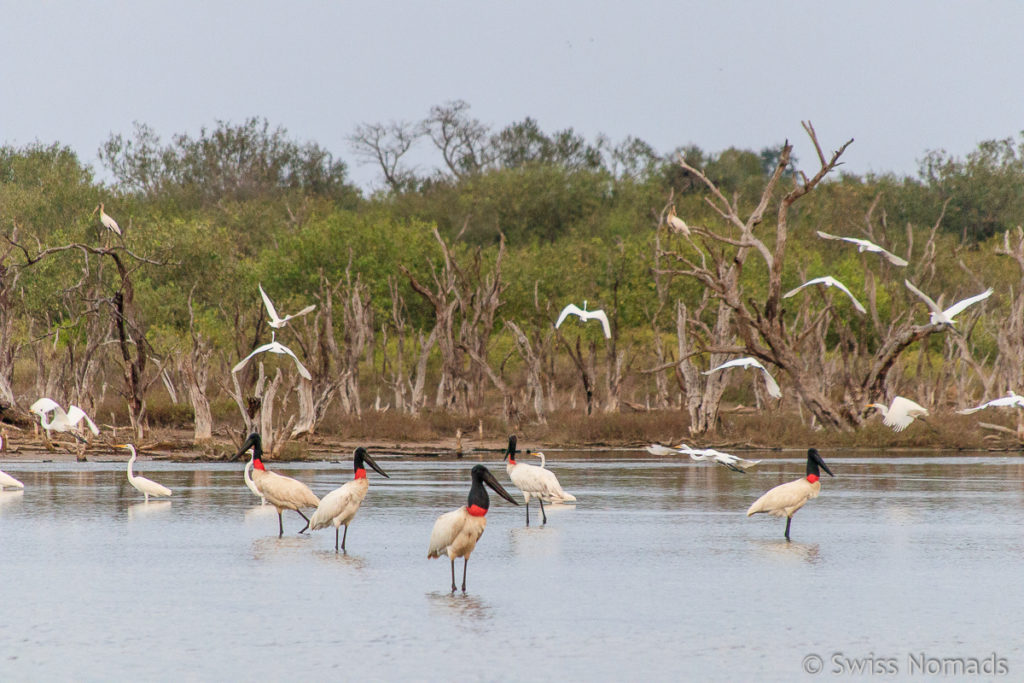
(655, 574)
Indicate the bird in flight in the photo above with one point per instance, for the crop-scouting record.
(276, 321)
(945, 317)
(866, 245)
(274, 347)
(769, 381)
(584, 314)
(828, 281)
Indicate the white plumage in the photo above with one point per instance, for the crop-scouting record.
(277, 321)
(900, 413)
(785, 499)
(341, 505)
(284, 493)
(108, 222)
(538, 482)
(7, 481)
(828, 281)
(146, 487)
(585, 315)
(939, 316)
(866, 245)
(60, 421)
(733, 462)
(1010, 401)
(247, 476)
(675, 223)
(274, 347)
(769, 381)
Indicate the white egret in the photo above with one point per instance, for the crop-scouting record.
(866, 245)
(277, 321)
(247, 476)
(900, 413)
(146, 487)
(284, 493)
(769, 381)
(61, 421)
(939, 316)
(108, 222)
(785, 499)
(7, 481)
(274, 347)
(456, 533)
(1010, 401)
(584, 314)
(828, 281)
(676, 223)
(733, 462)
(341, 505)
(534, 481)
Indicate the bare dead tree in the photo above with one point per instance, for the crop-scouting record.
(386, 145)
(195, 367)
(534, 371)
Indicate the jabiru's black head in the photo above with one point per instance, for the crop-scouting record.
(477, 492)
(510, 452)
(814, 461)
(255, 443)
(361, 456)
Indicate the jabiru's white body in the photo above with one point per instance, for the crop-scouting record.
(60, 421)
(7, 481)
(900, 413)
(341, 505)
(785, 499)
(534, 481)
(247, 476)
(284, 493)
(146, 487)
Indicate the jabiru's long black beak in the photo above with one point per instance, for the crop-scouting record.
(369, 461)
(497, 488)
(253, 441)
(821, 463)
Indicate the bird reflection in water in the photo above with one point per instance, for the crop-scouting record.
(13, 496)
(143, 510)
(355, 562)
(273, 547)
(460, 606)
(808, 553)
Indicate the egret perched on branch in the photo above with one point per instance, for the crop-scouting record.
(733, 462)
(866, 245)
(456, 533)
(828, 281)
(61, 421)
(277, 321)
(274, 347)
(900, 413)
(341, 505)
(1011, 401)
(284, 493)
(584, 314)
(769, 381)
(945, 317)
(247, 476)
(108, 222)
(785, 499)
(534, 481)
(675, 223)
(147, 487)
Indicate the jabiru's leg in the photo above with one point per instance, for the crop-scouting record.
(789, 520)
(542, 514)
(280, 525)
(453, 574)
(465, 561)
(336, 538)
(343, 538)
(303, 529)
(527, 512)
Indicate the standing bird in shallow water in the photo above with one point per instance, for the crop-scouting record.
(247, 476)
(147, 487)
(341, 505)
(785, 499)
(457, 532)
(534, 481)
(284, 493)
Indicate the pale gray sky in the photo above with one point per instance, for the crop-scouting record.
(899, 77)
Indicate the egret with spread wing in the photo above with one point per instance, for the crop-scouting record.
(61, 421)
(900, 413)
(1011, 401)
(274, 347)
(945, 317)
(584, 314)
(769, 381)
(733, 462)
(866, 245)
(277, 321)
(828, 281)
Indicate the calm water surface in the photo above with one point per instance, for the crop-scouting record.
(655, 574)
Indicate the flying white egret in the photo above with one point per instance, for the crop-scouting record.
(733, 462)
(534, 481)
(866, 245)
(676, 223)
(341, 505)
(61, 421)
(828, 281)
(769, 381)
(584, 314)
(146, 487)
(939, 316)
(456, 533)
(247, 476)
(108, 222)
(277, 321)
(274, 347)
(785, 499)
(284, 493)
(900, 413)
(1010, 401)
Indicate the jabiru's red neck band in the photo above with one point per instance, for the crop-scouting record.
(812, 478)
(258, 464)
(360, 473)
(511, 461)
(476, 510)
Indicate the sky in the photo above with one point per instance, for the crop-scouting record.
(900, 78)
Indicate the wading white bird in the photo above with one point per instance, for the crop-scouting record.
(733, 462)
(247, 476)
(785, 499)
(146, 487)
(828, 281)
(866, 245)
(341, 505)
(61, 421)
(769, 381)
(284, 493)
(939, 316)
(1011, 401)
(456, 533)
(534, 481)
(584, 314)
(900, 413)
(277, 321)
(676, 223)
(108, 222)
(274, 347)
(7, 481)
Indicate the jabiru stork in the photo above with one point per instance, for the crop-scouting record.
(534, 481)
(284, 493)
(341, 505)
(785, 499)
